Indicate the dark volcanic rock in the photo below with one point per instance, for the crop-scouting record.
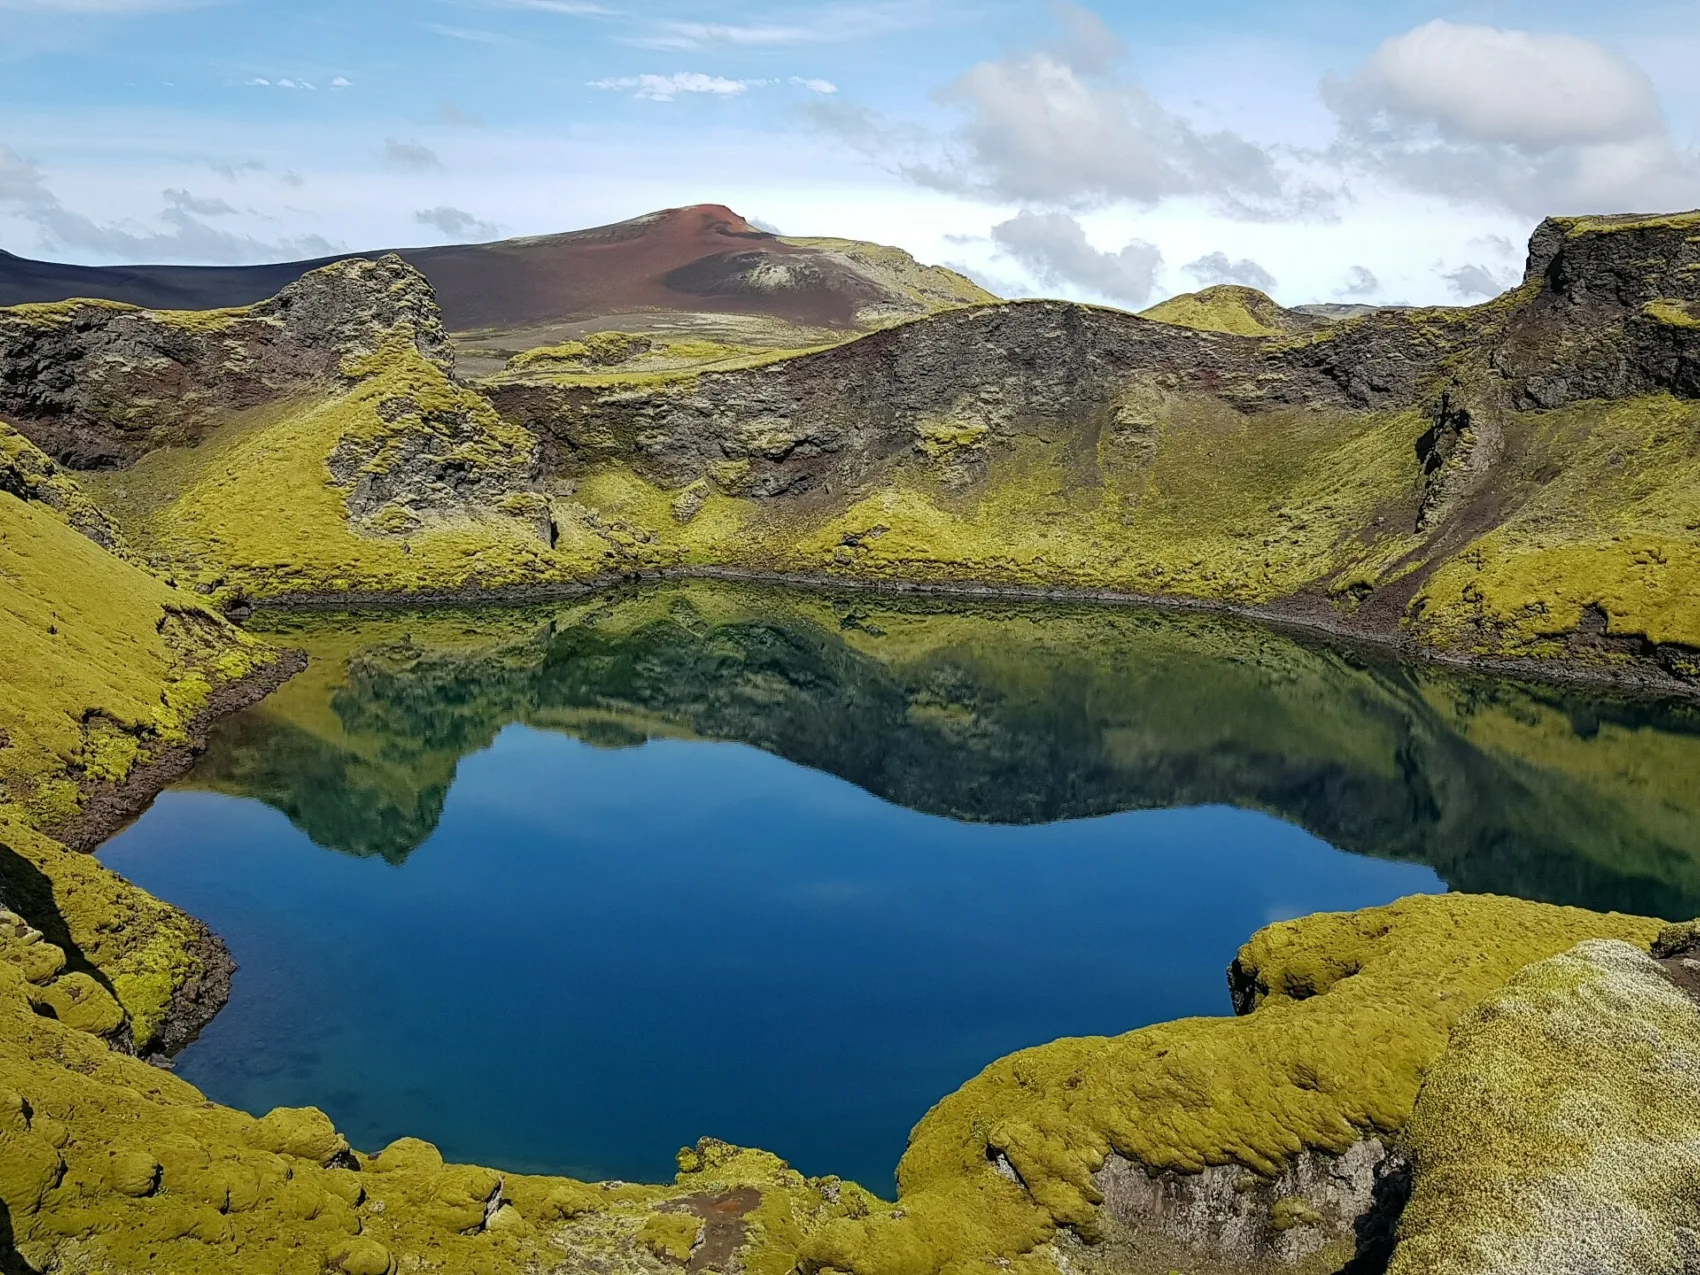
(98, 385)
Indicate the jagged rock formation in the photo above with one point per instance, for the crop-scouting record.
(1322, 1212)
(1511, 480)
(101, 384)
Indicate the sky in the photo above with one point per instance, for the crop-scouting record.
(1119, 152)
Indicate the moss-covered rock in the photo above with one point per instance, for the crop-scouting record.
(1560, 1132)
(1347, 1013)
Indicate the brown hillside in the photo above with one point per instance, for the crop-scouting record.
(704, 259)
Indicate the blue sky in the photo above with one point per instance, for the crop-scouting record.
(1121, 151)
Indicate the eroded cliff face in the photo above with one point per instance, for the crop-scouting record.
(96, 384)
(1511, 480)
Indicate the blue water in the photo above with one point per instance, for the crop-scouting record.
(600, 956)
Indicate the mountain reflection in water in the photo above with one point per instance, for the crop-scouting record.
(995, 712)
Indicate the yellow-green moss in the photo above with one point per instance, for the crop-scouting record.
(1613, 527)
(1354, 1010)
(104, 662)
(1227, 308)
(935, 287)
(1677, 314)
(625, 360)
(1561, 1130)
(104, 667)
(671, 1235)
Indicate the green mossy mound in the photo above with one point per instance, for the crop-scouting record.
(1347, 1014)
(1560, 1132)
(1231, 308)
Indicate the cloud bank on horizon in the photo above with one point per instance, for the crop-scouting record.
(1118, 152)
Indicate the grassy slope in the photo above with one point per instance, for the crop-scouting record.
(1606, 516)
(114, 1166)
(1229, 308)
(104, 666)
(254, 510)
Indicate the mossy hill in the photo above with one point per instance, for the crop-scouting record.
(1510, 480)
(1514, 481)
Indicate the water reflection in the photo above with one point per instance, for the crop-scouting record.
(996, 713)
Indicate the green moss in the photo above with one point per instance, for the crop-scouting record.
(106, 666)
(625, 360)
(1576, 226)
(935, 287)
(1676, 314)
(59, 313)
(1225, 308)
(1561, 1130)
(256, 511)
(1352, 1011)
(1293, 1211)
(671, 1236)
(941, 438)
(1611, 527)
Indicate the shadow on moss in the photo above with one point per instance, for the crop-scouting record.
(26, 890)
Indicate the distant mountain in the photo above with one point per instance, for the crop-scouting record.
(704, 259)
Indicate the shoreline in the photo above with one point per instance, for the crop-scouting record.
(110, 808)
(1310, 617)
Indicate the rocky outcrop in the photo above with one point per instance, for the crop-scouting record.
(1591, 322)
(970, 379)
(30, 475)
(97, 385)
(1322, 1213)
(953, 386)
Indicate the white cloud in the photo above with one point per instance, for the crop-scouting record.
(817, 23)
(1473, 282)
(1360, 282)
(1536, 123)
(1065, 127)
(109, 7)
(198, 205)
(410, 156)
(571, 8)
(24, 191)
(456, 223)
(1053, 247)
(1215, 268)
(472, 35)
(665, 88)
(815, 86)
(342, 82)
(1486, 84)
(693, 35)
(453, 115)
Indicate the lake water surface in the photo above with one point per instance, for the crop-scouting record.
(565, 888)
